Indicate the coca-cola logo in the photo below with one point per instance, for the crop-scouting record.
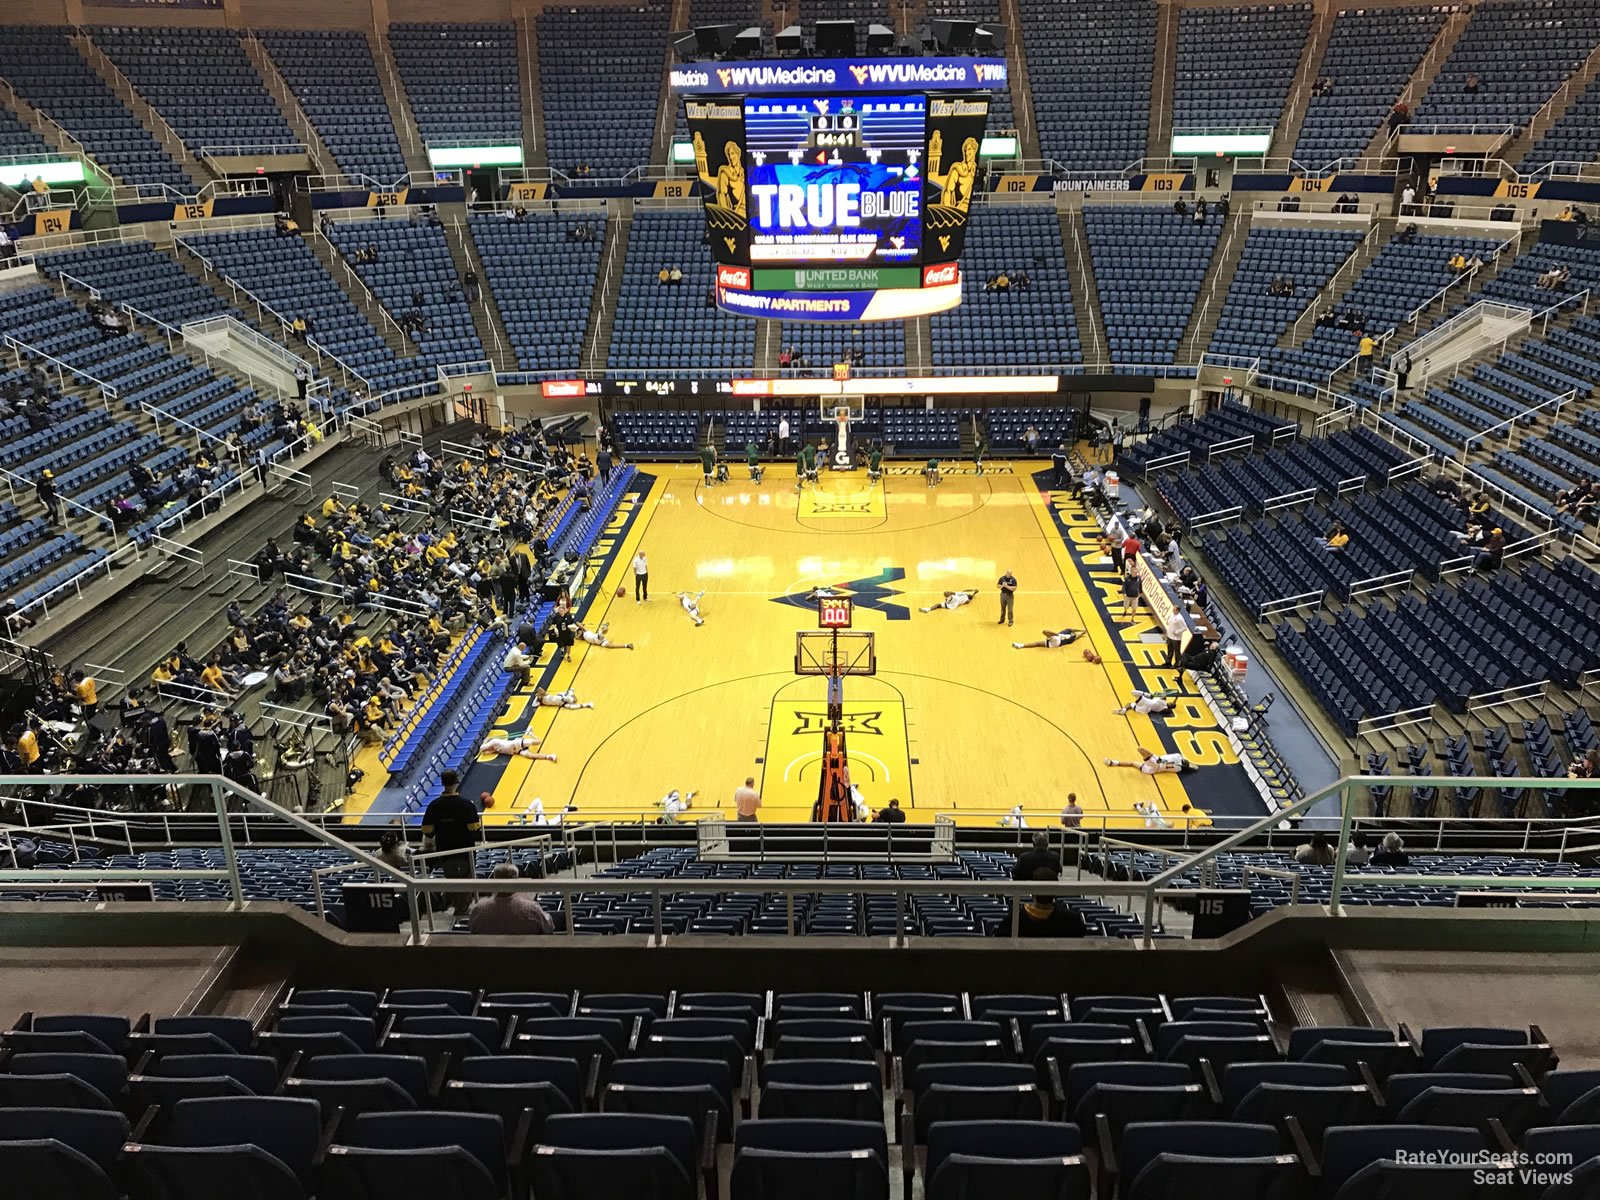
(943, 273)
(734, 277)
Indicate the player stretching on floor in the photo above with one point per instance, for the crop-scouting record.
(931, 472)
(1052, 641)
(691, 605)
(1155, 764)
(952, 601)
(566, 699)
(597, 637)
(1154, 704)
(519, 747)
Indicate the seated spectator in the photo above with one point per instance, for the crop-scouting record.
(1338, 537)
(508, 912)
(1044, 917)
(1357, 855)
(1492, 553)
(1180, 207)
(1315, 853)
(1472, 83)
(1391, 852)
(664, 275)
(1039, 862)
(893, 815)
(676, 275)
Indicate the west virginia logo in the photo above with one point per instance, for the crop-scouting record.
(860, 73)
(725, 75)
(872, 592)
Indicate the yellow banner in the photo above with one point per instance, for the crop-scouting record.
(674, 189)
(1016, 183)
(523, 192)
(1165, 182)
(388, 199)
(52, 220)
(1506, 190)
(1301, 183)
(192, 212)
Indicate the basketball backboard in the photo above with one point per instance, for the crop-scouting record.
(835, 652)
(852, 408)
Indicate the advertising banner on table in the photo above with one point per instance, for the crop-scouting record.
(841, 75)
(217, 4)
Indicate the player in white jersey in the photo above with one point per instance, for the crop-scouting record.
(566, 699)
(1052, 640)
(1154, 704)
(1155, 764)
(691, 605)
(952, 601)
(519, 747)
(597, 637)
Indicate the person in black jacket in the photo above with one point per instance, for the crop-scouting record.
(893, 815)
(452, 822)
(1043, 917)
(1040, 858)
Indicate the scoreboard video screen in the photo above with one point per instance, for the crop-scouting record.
(835, 179)
(874, 180)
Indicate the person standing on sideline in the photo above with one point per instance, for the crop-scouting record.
(1130, 592)
(746, 800)
(1058, 461)
(783, 435)
(1072, 814)
(1402, 370)
(602, 464)
(1177, 629)
(452, 823)
(641, 577)
(1008, 598)
(302, 380)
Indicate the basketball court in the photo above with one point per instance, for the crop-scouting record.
(953, 719)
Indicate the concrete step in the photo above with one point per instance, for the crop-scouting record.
(485, 315)
(1422, 78)
(607, 283)
(1339, 285)
(1080, 273)
(535, 150)
(360, 295)
(394, 95)
(142, 110)
(1021, 90)
(1158, 140)
(278, 88)
(1214, 287)
(1553, 109)
(1293, 116)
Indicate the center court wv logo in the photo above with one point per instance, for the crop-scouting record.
(872, 592)
(858, 723)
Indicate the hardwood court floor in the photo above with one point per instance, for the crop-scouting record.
(955, 720)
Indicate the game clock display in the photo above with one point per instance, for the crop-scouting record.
(872, 181)
(835, 179)
(834, 612)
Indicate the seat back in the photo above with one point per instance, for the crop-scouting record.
(761, 1174)
(480, 1134)
(356, 1171)
(582, 1173)
(286, 1127)
(192, 1172)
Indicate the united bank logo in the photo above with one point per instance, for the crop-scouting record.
(872, 592)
